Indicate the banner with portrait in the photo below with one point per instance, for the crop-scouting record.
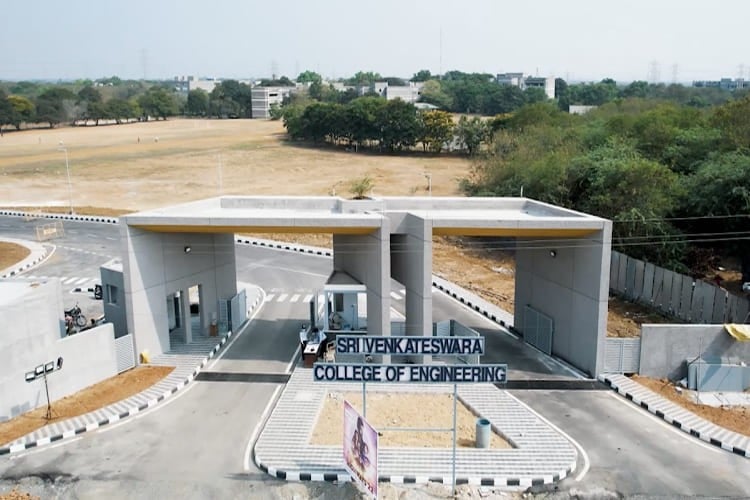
(360, 449)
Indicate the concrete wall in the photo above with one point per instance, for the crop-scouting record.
(571, 287)
(365, 257)
(156, 265)
(35, 339)
(113, 298)
(664, 348)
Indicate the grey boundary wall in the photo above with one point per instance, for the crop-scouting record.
(133, 410)
(688, 422)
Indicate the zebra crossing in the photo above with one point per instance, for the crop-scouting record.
(73, 281)
(304, 297)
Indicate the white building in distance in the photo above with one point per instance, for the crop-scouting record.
(546, 83)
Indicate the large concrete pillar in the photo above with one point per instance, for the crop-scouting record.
(366, 258)
(411, 265)
(568, 280)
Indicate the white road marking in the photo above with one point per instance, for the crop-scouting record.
(82, 281)
(256, 431)
(282, 297)
(586, 462)
(294, 298)
(269, 297)
(307, 298)
(70, 280)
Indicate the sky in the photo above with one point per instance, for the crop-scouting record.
(579, 40)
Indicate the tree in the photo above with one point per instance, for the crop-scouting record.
(197, 103)
(23, 110)
(362, 116)
(6, 110)
(364, 79)
(51, 106)
(120, 109)
(534, 94)
(437, 129)
(433, 93)
(471, 133)
(158, 102)
(399, 125)
(309, 77)
(732, 120)
(89, 94)
(718, 201)
(422, 76)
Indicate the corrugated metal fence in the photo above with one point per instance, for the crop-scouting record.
(688, 299)
(125, 353)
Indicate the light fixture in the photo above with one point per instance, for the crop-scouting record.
(553, 253)
(187, 249)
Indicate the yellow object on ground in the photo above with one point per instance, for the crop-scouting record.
(740, 332)
(145, 357)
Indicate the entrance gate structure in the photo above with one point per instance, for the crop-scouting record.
(562, 259)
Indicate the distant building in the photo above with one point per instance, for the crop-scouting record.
(407, 93)
(547, 84)
(262, 98)
(724, 83)
(182, 84)
(205, 85)
(576, 109)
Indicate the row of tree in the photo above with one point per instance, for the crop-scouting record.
(675, 179)
(59, 104)
(387, 125)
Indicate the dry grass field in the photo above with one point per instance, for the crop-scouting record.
(147, 165)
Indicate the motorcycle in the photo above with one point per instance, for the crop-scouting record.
(74, 319)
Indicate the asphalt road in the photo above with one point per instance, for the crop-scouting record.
(195, 446)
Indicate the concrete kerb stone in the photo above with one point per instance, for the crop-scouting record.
(38, 254)
(135, 409)
(290, 247)
(707, 436)
(72, 217)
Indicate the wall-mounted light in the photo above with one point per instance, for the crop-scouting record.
(553, 253)
(187, 249)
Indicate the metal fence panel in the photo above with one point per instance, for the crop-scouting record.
(622, 273)
(614, 268)
(647, 295)
(741, 310)
(638, 285)
(125, 353)
(658, 294)
(720, 307)
(686, 298)
(674, 303)
(630, 279)
(706, 296)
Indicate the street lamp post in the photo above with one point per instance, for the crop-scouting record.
(67, 169)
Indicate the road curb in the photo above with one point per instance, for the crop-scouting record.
(133, 410)
(285, 246)
(72, 217)
(708, 437)
(505, 482)
(27, 263)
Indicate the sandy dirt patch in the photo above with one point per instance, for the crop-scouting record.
(91, 398)
(15, 494)
(11, 254)
(391, 409)
(736, 419)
